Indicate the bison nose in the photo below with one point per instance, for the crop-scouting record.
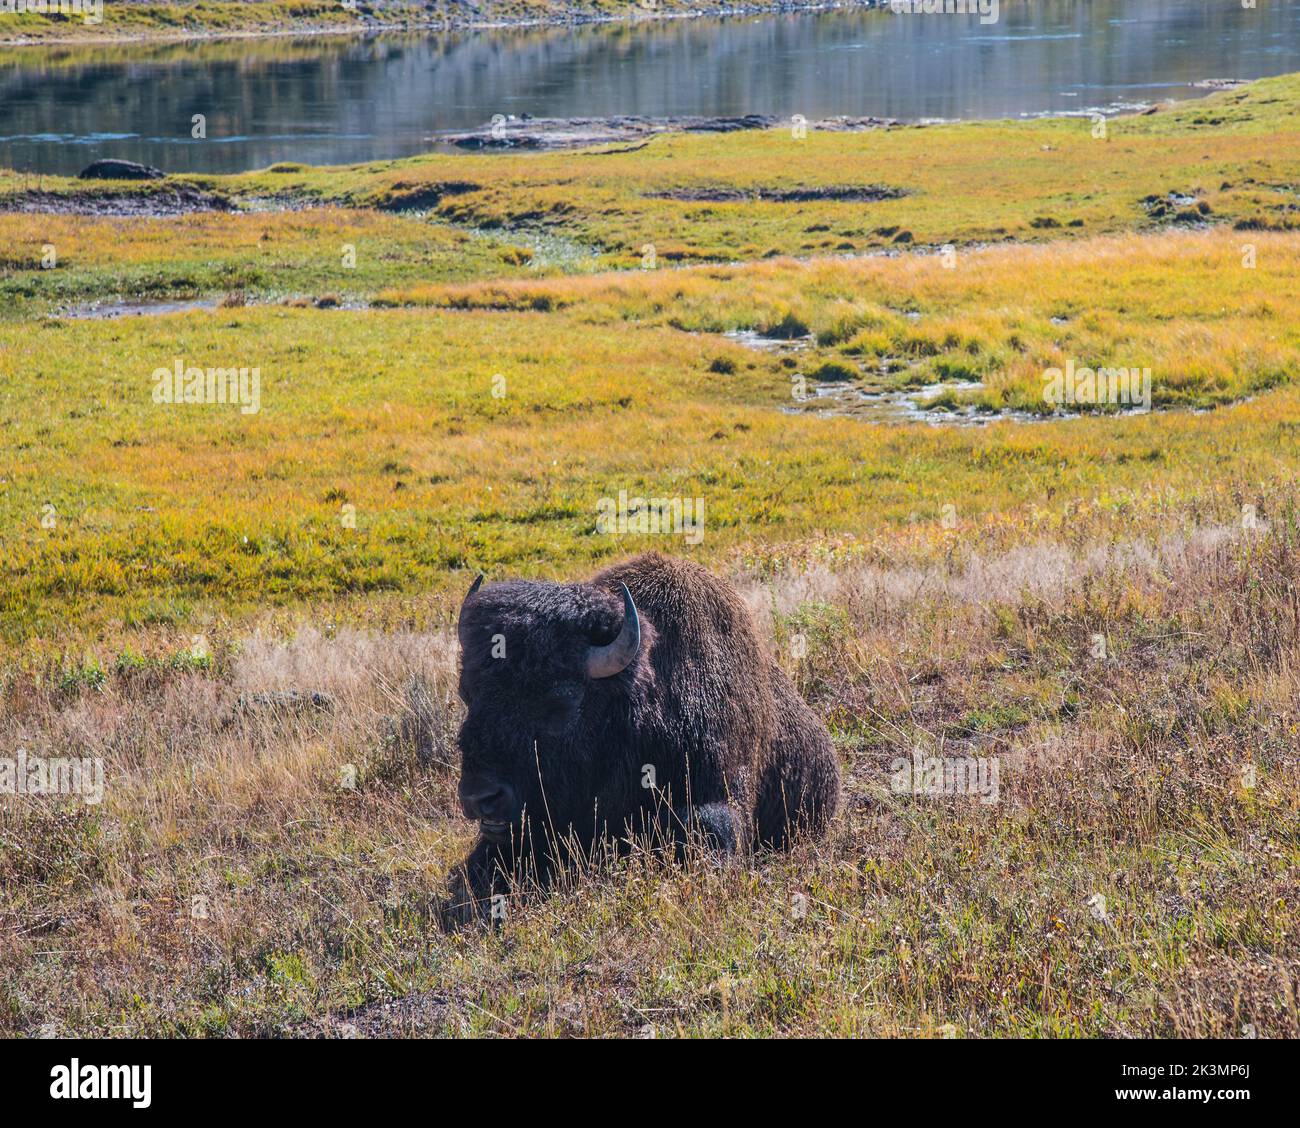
(485, 799)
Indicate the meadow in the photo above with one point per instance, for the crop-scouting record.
(263, 861)
(247, 616)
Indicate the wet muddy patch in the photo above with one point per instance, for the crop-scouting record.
(846, 193)
(153, 203)
(112, 310)
(947, 404)
(1178, 207)
(773, 340)
(115, 309)
(936, 404)
(835, 387)
(525, 132)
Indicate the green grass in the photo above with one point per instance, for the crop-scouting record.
(399, 414)
(270, 256)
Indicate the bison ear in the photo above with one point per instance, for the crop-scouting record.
(606, 661)
(473, 588)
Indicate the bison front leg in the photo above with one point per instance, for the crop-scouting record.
(472, 887)
(714, 826)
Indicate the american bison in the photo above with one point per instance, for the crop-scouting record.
(640, 703)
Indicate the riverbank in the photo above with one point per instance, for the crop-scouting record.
(132, 21)
(753, 192)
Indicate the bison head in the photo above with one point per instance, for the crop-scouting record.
(541, 666)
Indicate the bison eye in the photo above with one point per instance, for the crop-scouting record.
(560, 703)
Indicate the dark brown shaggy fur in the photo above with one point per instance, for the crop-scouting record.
(701, 738)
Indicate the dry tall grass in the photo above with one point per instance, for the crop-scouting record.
(1161, 777)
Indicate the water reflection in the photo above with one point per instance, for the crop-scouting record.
(333, 100)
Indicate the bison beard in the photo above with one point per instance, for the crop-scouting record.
(638, 704)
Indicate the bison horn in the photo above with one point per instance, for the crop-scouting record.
(606, 661)
(474, 587)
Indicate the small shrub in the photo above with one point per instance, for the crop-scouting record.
(833, 372)
(788, 327)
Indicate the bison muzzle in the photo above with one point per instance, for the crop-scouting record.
(638, 705)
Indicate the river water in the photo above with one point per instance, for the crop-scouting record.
(334, 100)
